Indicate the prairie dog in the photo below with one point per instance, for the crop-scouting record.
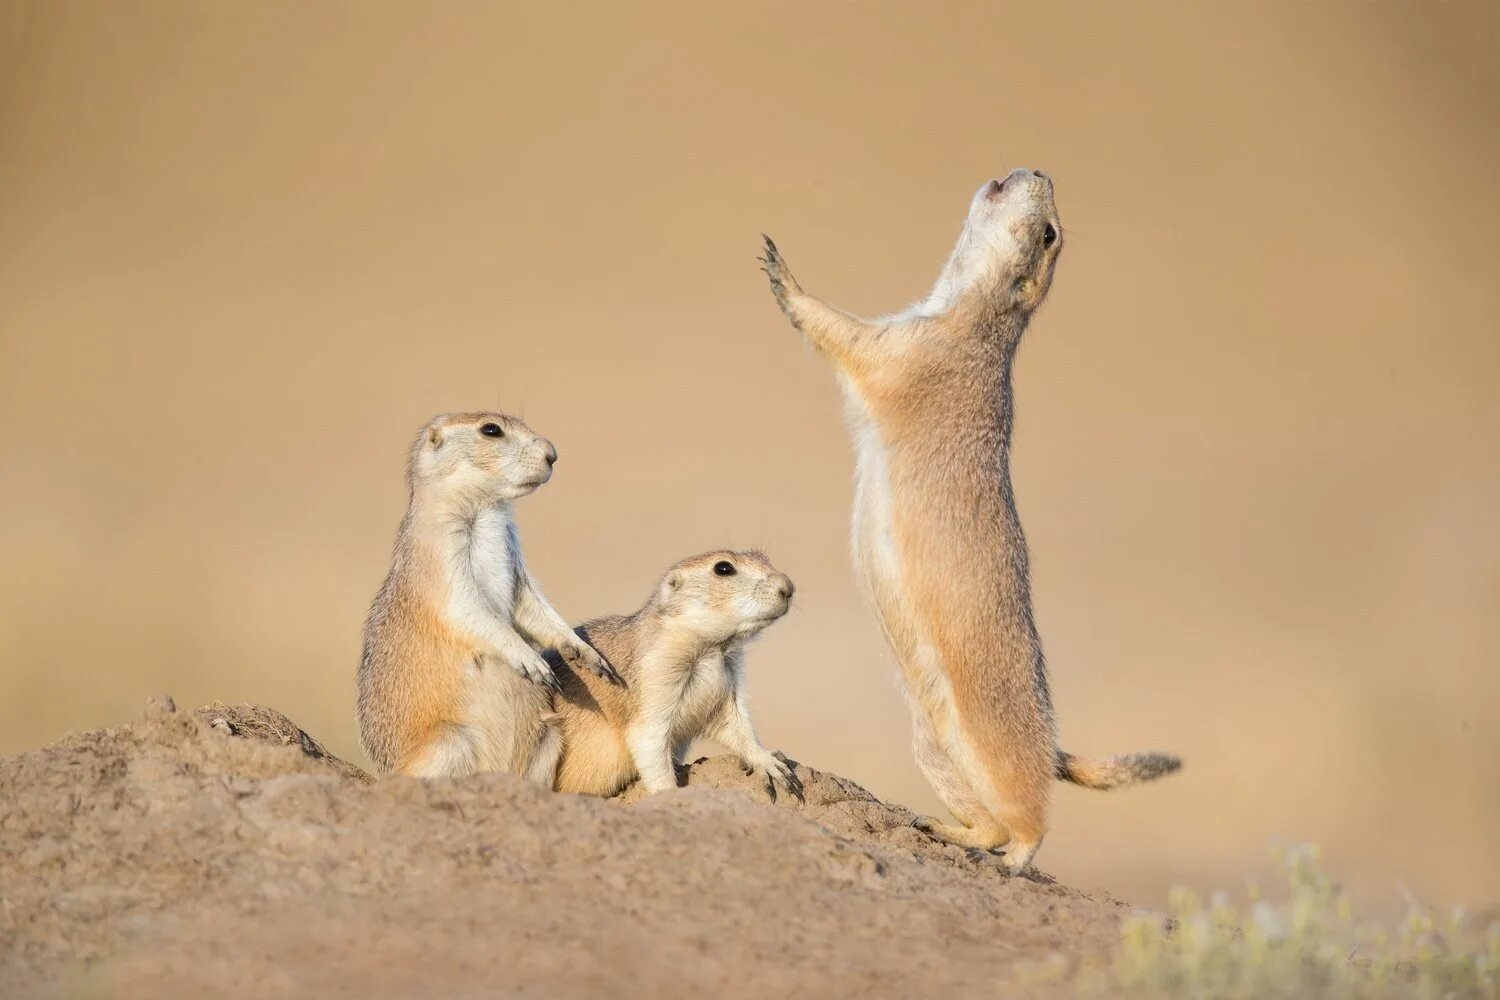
(938, 547)
(449, 683)
(682, 659)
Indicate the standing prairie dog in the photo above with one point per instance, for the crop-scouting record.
(682, 659)
(938, 547)
(449, 683)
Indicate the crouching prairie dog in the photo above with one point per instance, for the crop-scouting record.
(682, 660)
(938, 547)
(451, 681)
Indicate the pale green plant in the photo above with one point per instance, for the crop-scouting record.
(1309, 945)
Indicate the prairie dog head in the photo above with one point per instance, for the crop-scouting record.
(1009, 245)
(482, 456)
(724, 596)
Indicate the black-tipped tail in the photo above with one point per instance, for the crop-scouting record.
(1116, 771)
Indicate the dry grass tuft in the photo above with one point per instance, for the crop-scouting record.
(1311, 944)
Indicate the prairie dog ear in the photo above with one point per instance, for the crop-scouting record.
(669, 585)
(435, 436)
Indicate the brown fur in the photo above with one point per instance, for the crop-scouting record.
(681, 656)
(938, 545)
(450, 681)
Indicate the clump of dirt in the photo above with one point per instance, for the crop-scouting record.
(266, 725)
(224, 851)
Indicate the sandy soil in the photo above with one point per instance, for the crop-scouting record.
(223, 851)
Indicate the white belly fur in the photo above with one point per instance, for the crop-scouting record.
(703, 695)
(484, 578)
(877, 563)
(501, 710)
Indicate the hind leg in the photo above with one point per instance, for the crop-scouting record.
(1014, 789)
(1027, 825)
(447, 752)
(978, 827)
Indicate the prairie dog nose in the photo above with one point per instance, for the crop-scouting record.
(549, 452)
(1000, 186)
(784, 585)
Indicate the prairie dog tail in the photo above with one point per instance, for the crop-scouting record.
(1115, 771)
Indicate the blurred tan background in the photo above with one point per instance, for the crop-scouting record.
(246, 249)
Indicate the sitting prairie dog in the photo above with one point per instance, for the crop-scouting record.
(938, 547)
(450, 682)
(682, 660)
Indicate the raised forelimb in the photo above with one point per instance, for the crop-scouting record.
(537, 620)
(846, 340)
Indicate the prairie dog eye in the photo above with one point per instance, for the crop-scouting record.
(492, 430)
(724, 568)
(1049, 235)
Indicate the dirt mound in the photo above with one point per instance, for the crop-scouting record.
(224, 851)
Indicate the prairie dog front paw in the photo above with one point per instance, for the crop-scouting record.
(775, 772)
(529, 664)
(581, 656)
(783, 285)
